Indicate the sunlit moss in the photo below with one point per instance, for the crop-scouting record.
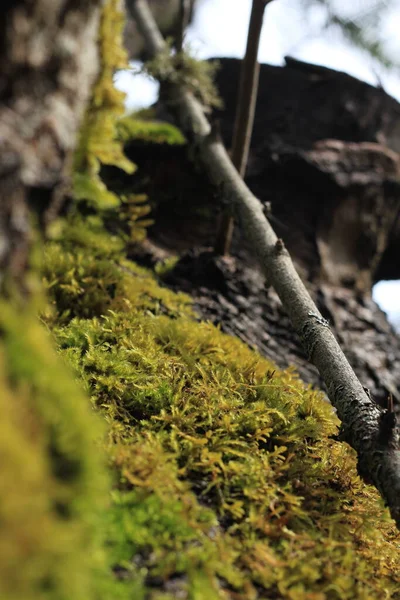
(228, 483)
(87, 276)
(133, 127)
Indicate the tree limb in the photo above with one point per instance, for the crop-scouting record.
(183, 22)
(370, 430)
(244, 118)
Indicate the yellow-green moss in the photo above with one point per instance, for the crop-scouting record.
(87, 276)
(227, 481)
(133, 127)
(53, 480)
(99, 143)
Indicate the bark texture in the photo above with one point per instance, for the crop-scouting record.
(48, 61)
(327, 146)
(325, 155)
(367, 428)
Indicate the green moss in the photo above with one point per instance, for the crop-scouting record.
(87, 276)
(99, 143)
(132, 127)
(228, 483)
(163, 267)
(52, 478)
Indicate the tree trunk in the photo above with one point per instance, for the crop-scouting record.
(48, 61)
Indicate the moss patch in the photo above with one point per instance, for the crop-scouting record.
(53, 482)
(99, 143)
(227, 481)
(87, 276)
(134, 127)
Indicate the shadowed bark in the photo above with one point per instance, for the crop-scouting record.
(325, 155)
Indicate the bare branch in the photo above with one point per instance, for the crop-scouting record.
(364, 425)
(244, 118)
(183, 22)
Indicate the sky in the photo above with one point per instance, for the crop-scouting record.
(221, 30)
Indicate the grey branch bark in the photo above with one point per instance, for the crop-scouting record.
(244, 118)
(370, 430)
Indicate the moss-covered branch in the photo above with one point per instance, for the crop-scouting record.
(364, 425)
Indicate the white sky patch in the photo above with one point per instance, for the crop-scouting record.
(387, 295)
(220, 30)
(140, 90)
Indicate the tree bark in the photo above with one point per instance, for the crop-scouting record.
(48, 61)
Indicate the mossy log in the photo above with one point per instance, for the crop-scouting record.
(228, 482)
(53, 481)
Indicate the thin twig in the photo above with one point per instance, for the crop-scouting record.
(363, 427)
(244, 118)
(183, 22)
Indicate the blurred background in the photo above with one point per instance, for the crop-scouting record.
(360, 37)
